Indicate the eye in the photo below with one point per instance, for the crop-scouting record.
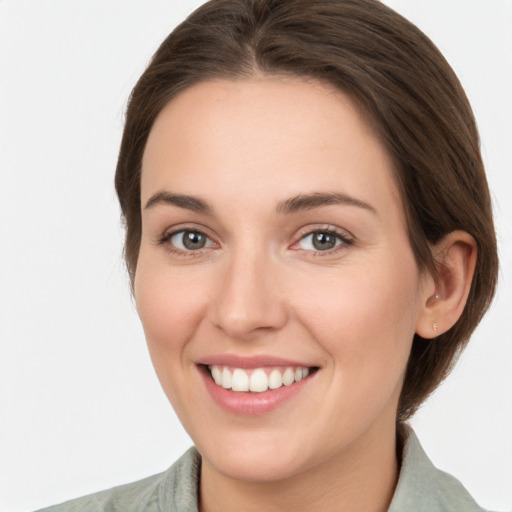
(320, 241)
(188, 240)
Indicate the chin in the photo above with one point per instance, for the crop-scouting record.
(256, 458)
(255, 467)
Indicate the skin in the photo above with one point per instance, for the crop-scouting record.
(259, 287)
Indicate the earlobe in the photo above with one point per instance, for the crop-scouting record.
(455, 256)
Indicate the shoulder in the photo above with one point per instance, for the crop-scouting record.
(424, 488)
(174, 489)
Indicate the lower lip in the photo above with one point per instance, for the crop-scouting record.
(251, 404)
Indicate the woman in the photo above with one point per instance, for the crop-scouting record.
(310, 242)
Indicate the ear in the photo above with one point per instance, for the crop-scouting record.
(455, 257)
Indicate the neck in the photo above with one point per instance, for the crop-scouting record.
(363, 477)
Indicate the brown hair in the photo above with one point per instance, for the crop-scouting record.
(402, 84)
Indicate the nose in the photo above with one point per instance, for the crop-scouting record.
(248, 302)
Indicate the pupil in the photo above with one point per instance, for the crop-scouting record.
(193, 240)
(323, 241)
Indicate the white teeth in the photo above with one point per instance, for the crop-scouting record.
(226, 378)
(275, 379)
(217, 375)
(256, 380)
(240, 380)
(288, 376)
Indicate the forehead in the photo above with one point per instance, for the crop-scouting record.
(270, 134)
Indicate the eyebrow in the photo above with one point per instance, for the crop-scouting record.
(319, 199)
(289, 206)
(183, 201)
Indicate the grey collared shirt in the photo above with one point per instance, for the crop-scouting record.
(421, 488)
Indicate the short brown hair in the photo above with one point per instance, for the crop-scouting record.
(401, 83)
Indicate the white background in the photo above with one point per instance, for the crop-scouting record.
(80, 407)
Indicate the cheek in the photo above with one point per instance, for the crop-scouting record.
(365, 318)
(170, 304)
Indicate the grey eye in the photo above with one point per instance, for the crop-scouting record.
(320, 241)
(190, 240)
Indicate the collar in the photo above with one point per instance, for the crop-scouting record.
(421, 486)
(424, 488)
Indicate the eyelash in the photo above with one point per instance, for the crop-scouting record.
(344, 241)
(165, 240)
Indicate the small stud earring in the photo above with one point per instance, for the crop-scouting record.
(434, 326)
(436, 297)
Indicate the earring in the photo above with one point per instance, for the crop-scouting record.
(434, 326)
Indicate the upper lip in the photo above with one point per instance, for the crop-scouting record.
(236, 361)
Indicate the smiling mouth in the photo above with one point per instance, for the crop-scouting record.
(257, 380)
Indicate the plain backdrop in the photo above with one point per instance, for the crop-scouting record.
(80, 407)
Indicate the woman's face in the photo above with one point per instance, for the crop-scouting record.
(274, 248)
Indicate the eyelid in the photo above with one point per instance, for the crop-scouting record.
(346, 238)
(169, 233)
(171, 237)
